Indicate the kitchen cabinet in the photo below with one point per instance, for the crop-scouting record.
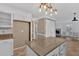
(46, 26)
(55, 52)
(5, 20)
(59, 51)
(30, 52)
(50, 28)
(6, 47)
(6, 23)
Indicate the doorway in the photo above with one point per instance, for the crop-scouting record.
(21, 33)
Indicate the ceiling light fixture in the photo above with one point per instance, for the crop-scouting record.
(46, 12)
(39, 10)
(48, 8)
(50, 14)
(74, 19)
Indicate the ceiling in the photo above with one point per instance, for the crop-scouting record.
(65, 10)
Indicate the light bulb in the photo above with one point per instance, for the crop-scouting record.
(50, 14)
(39, 9)
(55, 12)
(46, 12)
(45, 7)
(51, 10)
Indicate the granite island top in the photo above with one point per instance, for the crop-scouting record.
(43, 46)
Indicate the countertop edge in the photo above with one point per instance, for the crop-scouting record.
(47, 52)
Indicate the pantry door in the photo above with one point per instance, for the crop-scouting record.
(21, 33)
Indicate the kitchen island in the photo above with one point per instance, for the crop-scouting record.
(47, 47)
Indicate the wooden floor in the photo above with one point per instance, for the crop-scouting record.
(73, 47)
(20, 52)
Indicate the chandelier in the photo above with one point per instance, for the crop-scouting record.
(48, 8)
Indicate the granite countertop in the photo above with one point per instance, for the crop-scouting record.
(43, 46)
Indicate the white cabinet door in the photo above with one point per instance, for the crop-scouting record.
(6, 47)
(5, 19)
(52, 29)
(59, 51)
(47, 28)
(62, 49)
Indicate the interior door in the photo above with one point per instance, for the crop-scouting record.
(20, 33)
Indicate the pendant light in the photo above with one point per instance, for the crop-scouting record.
(49, 8)
(74, 19)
